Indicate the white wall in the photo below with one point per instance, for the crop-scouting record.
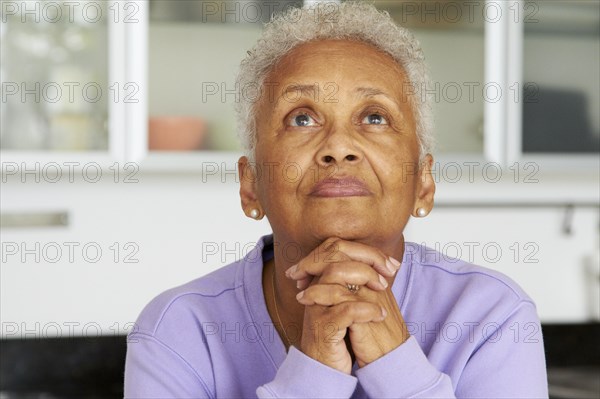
(168, 217)
(172, 218)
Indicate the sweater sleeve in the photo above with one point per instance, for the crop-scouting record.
(300, 376)
(153, 370)
(404, 372)
(511, 363)
(507, 365)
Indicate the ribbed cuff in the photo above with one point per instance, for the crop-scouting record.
(301, 376)
(403, 372)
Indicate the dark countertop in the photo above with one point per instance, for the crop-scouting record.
(574, 382)
(92, 367)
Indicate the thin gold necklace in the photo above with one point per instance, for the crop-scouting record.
(277, 310)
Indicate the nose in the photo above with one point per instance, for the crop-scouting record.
(338, 148)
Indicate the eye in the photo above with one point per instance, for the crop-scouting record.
(301, 120)
(375, 119)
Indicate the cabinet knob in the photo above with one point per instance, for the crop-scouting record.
(33, 219)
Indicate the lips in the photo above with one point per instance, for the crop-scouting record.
(348, 186)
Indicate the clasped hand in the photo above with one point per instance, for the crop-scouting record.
(370, 316)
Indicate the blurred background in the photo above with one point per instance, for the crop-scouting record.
(119, 180)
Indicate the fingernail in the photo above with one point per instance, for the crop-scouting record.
(298, 284)
(395, 262)
(383, 281)
(390, 266)
(300, 295)
(383, 313)
(289, 272)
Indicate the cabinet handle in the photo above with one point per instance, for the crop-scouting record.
(568, 220)
(34, 219)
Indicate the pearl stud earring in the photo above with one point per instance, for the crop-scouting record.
(254, 213)
(421, 212)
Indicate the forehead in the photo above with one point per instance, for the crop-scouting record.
(339, 61)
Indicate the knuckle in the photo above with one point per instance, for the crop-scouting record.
(330, 243)
(359, 309)
(367, 310)
(333, 271)
(374, 275)
(347, 307)
(300, 265)
(380, 258)
(330, 312)
(334, 296)
(309, 292)
(331, 240)
(343, 295)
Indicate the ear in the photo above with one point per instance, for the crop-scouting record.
(248, 196)
(425, 189)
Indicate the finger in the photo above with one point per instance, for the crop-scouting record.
(360, 252)
(325, 295)
(315, 262)
(304, 283)
(332, 251)
(351, 272)
(350, 312)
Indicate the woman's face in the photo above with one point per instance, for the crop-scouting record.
(335, 109)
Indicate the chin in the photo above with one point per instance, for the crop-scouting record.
(351, 231)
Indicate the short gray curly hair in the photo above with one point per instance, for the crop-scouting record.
(351, 20)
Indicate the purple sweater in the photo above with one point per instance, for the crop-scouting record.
(474, 333)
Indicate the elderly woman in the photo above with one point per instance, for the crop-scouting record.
(338, 140)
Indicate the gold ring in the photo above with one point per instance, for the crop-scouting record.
(353, 288)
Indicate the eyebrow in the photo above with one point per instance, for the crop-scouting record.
(367, 92)
(305, 91)
(312, 91)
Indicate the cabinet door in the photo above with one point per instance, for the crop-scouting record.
(561, 79)
(553, 61)
(452, 35)
(195, 51)
(191, 87)
(54, 77)
(67, 88)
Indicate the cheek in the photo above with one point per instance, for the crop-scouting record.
(396, 167)
(278, 181)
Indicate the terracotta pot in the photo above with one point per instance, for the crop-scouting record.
(175, 133)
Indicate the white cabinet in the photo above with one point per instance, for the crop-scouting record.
(551, 252)
(513, 81)
(73, 84)
(502, 72)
